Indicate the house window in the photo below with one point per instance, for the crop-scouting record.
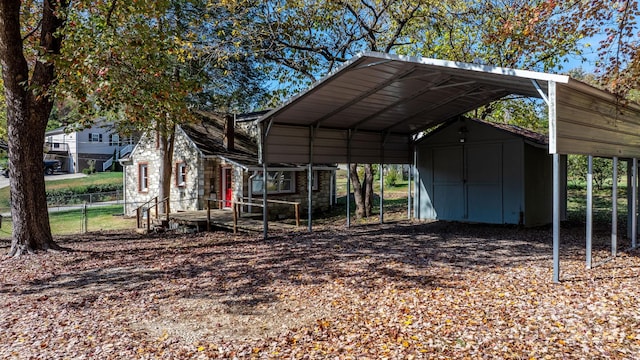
(278, 182)
(143, 177)
(114, 140)
(181, 174)
(95, 137)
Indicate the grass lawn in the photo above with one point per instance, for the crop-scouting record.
(93, 179)
(602, 200)
(72, 221)
(341, 185)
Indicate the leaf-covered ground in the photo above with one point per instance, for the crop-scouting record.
(397, 291)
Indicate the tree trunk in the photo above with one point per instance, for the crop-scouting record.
(28, 109)
(368, 189)
(357, 191)
(362, 192)
(166, 168)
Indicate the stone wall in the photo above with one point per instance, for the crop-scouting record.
(187, 197)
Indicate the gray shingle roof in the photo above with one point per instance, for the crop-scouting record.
(207, 133)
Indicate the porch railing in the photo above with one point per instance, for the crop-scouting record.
(145, 209)
(236, 205)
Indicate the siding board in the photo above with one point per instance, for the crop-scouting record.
(593, 124)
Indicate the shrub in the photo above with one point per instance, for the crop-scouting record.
(92, 166)
(392, 177)
(77, 195)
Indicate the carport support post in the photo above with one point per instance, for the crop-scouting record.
(589, 233)
(349, 178)
(409, 191)
(310, 192)
(263, 159)
(384, 139)
(310, 179)
(614, 208)
(348, 194)
(634, 204)
(556, 218)
(265, 221)
(381, 193)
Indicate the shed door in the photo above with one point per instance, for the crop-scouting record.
(484, 183)
(448, 183)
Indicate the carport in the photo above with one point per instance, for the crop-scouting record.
(370, 110)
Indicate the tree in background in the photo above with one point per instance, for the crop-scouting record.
(304, 40)
(146, 64)
(618, 66)
(602, 170)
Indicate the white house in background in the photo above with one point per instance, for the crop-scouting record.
(100, 144)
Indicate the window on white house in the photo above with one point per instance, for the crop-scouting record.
(143, 177)
(114, 140)
(95, 137)
(181, 174)
(277, 182)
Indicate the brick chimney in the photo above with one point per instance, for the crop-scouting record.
(229, 124)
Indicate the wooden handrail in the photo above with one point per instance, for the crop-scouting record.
(274, 201)
(235, 207)
(155, 201)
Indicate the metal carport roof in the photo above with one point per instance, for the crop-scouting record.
(368, 111)
(378, 101)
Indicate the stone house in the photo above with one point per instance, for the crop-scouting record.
(216, 157)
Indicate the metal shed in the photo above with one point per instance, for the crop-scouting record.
(370, 109)
(475, 171)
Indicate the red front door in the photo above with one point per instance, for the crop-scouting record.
(226, 187)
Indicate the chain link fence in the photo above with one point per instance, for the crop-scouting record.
(79, 213)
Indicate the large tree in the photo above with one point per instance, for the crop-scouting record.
(28, 81)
